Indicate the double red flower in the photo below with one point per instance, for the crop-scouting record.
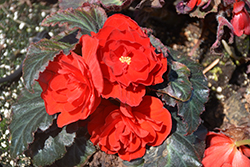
(117, 63)
(72, 84)
(127, 130)
(128, 60)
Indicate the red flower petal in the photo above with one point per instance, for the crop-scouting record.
(116, 21)
(240, 160)
(128, 156)
(222, 151)
(238, 6)
(89, 49)
(191, 4)
(218, 155)
(241, 19)
(245, 150)
(153, 108)
(215, 138)
(129, 95)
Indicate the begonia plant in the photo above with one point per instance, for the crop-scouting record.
(115, 88)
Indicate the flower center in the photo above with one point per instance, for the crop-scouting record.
(125, 59)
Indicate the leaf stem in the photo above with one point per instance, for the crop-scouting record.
(242, 142)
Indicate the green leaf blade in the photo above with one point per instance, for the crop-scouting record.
(79, 151)
(64, 4)
(179, 88)
(28, 115)
(190, 110)
(115, 5)
(54, 148)
(191, 105)
(178, 150)
(181, 152)
(87, 18)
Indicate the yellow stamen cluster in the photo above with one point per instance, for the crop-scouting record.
(125, 59)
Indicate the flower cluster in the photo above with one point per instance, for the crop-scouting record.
(104, 79)
(223, 151)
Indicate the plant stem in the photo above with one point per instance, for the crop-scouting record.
(242, 142)
(212, 65)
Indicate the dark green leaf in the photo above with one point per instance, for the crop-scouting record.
(134, 163)
(179, 87)
(38, 57)
(64, 4)
(155, 156)
(156, 42)
(54, 148)
(113, 2)
(115, 5)
(28, 115)
(191, 109)
(87, 18)
(168, 100)
(78, 153)
(181, 149)
(177, 151)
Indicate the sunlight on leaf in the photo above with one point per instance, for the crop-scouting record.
(54, 148)
(178, 150)
(87, 18)
(190, 110)
(28, 115)
(79, 151)
(179, 87)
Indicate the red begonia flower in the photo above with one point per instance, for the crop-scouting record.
(128, 60)
(72, 84)
(127, 130)
(222, 152)
(241, 19)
